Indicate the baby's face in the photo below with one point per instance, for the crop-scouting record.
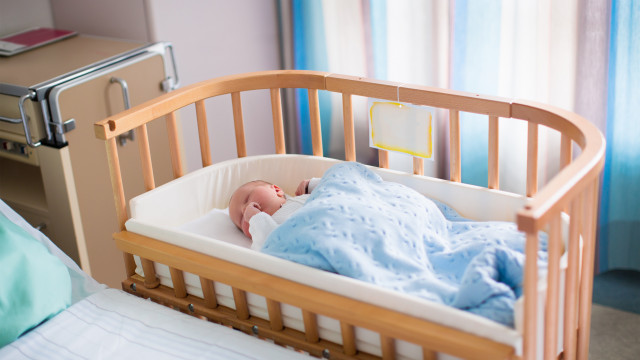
(252, 198)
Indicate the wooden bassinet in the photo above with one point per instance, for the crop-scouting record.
(571, 196)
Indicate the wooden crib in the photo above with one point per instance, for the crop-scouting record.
(573, 192)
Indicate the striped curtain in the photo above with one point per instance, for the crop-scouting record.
(620, 210)
(378, 39)
(580, 55)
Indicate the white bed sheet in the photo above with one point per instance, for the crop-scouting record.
(112, 324)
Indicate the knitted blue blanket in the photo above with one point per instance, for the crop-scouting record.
(360, 226)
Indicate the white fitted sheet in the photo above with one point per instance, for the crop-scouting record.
(112, 324)
(189, 212)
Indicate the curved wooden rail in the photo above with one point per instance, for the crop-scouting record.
(570, 180)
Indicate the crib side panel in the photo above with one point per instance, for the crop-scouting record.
(388, 323)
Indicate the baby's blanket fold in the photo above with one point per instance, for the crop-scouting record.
(358, 225)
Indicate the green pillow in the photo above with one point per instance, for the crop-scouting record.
(34, 285)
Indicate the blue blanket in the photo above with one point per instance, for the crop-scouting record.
(358, 225)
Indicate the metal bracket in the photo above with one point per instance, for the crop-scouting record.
(65, 127)
(171, 83)
(129, 135)
(24, 118)
(68, 125)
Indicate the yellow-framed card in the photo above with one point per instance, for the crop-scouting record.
(401, 127)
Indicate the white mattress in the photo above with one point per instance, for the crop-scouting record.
(189, 212)
(112, 324)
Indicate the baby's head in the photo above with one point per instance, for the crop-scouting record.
(252, 198)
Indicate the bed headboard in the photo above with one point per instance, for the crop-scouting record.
(574, 190)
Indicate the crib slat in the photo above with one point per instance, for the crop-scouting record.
(530, 296)
(316, 129)
(388, 345)
(429, 354)
(454, 146)
(532, 159)
(209, 292)
(150, 278)
(118, 190)
(145, 157)
(176, 153)
(203, 133)
(383, 159)
(418, 166)
(349, 132)
(278, 127)
(571, 283)
(116, 181)
(242, 306)
(275, 315)
(238, 123)
(566, 152)
(494, 151)
(553, 288)
(348, 339)
(586, 281)
(310, 320)
(177, 278)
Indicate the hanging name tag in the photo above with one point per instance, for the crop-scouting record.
(399, 127)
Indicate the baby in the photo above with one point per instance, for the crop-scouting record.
(258, 207)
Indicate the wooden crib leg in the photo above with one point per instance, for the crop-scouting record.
(275, 315)
(310, 326)
(530, 297)
(209, 293)
(150, 278)
(348, 338)
(553, 288)
(129, 264)
(388, 346)
(242, 307)
(571, 285)
(177, 277)
(429, 354)
(586, 283)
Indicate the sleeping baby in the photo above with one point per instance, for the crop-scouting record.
(358, 225)
(258, 207)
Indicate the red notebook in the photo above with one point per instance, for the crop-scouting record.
(29, 39)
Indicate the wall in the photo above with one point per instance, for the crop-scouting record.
(17, 15)
(124, 19)
(217, 38)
